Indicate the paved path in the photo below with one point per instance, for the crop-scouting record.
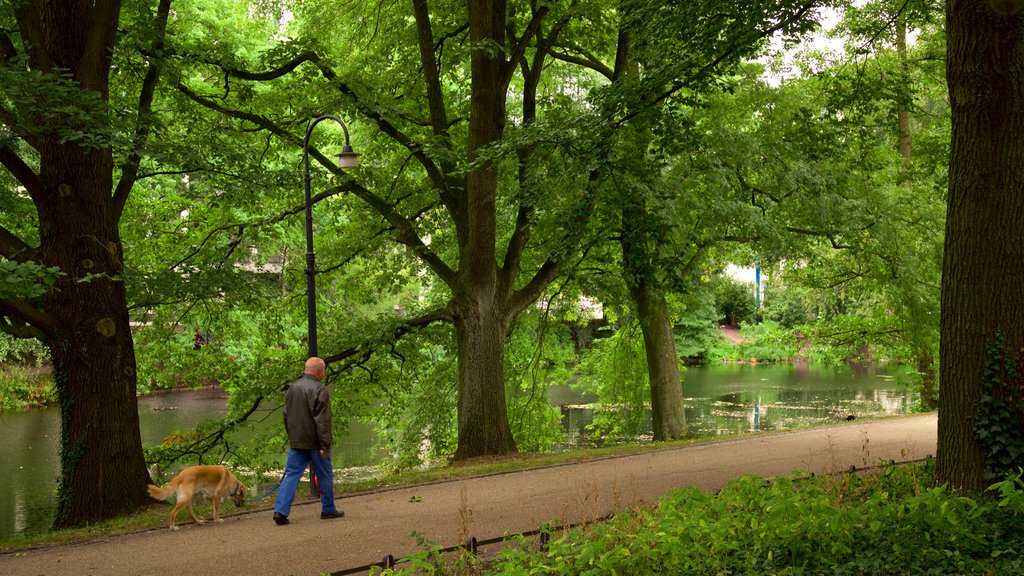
(448, 512)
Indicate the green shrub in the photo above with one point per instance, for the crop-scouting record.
(768, 342)
(787, 305)
(26, 387)
(890, 522)
(735, 301)
(22, 351)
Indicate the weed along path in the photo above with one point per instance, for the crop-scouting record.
(448, 513)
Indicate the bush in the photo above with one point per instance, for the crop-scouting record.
(735, 302)
(23, 351)
(26, 387)
(768, 342)
(787, 305)
(888, 522)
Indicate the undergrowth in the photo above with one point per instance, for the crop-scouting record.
(889, 522)
(22, 388)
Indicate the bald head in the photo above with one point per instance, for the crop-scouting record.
(316, 367)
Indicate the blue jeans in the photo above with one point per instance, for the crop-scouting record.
(294, 468)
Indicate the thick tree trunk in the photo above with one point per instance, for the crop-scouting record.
(983, 267)
(103, 472)
(477, 305)
(482, 412)
(667, 415)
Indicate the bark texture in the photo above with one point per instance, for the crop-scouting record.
(479, 300)
(85, 320)
(983, 267)
(667, 415)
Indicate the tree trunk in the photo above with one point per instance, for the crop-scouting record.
(477, 304)
(103, 472)
(667, 415)
(903, 106)
(482, 412)
(983, 266)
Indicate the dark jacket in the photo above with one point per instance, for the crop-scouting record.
(307, 414)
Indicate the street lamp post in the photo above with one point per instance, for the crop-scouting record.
(347, 159)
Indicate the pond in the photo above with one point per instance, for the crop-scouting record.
(720, 400)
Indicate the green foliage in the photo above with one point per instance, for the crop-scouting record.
(410, 396)
(616, 370)
(535, 351)
(26, 279)
(25, 387)
(764, 342)
(768, 342)
(22, 351)
(788, 305)
(999, 421)
(694, 322)
(888, 523)
(735, 301)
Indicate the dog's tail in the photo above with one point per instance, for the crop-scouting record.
(165, 492)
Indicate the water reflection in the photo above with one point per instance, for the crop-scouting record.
(740, 398)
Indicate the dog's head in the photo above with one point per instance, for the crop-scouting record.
(238, 494)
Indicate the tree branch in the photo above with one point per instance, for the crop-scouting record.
(531, 81)
(532, 29)
(436, 176)
(407, 327)
(406, 232)
(587, 61)
(434, 173)
(130, 168)
(30, 26)
(14, 248)
(709, 67)
(22, 172)
(260, 222)
(429, 64)
(529, 294)
(28, 314)
(20, 330)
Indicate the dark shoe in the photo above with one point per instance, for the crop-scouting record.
(280, 519)
(330, 515)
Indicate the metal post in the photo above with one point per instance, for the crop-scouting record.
(310, 255)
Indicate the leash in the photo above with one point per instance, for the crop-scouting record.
(268, 493)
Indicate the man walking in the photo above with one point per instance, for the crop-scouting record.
(307, 418)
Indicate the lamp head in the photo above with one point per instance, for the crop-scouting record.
(348, 158)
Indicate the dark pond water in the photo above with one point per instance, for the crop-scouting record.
(720, 400)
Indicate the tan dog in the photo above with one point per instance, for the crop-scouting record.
(215, 482)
